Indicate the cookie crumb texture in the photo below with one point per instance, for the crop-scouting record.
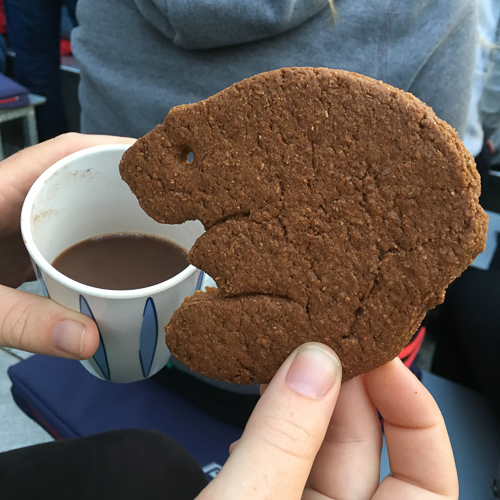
(337, 209)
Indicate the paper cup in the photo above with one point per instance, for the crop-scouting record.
(82, 196)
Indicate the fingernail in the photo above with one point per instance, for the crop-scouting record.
(68, 335)
(313, 372)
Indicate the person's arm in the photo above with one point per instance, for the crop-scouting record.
(30, 322)
(445, 80)
(205, 24)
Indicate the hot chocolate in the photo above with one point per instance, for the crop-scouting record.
(122, 261)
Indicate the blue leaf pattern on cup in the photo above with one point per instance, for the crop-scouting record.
(149, 336)
(199, 283)
(100, 357)
(42, 282)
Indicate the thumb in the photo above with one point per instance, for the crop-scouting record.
(40, 325)
(276, 452)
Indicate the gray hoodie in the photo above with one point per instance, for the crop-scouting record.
(139, 58)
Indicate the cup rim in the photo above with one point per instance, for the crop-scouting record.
(45, 265)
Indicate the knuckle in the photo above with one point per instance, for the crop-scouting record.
(67, 142)
(290, 435)
(68, 136)
(14, 324)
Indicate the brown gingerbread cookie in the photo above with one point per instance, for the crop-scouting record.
(337, 209)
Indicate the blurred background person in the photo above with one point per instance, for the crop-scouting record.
(138, 58)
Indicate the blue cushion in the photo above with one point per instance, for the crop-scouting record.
(69, 402)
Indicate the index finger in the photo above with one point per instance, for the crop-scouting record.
(36, 159)
(420, 454)
(20, 171)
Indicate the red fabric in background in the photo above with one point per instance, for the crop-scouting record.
(65, 47)
(3, 22)
(409, 353)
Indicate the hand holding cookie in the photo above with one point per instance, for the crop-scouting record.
(293, 448)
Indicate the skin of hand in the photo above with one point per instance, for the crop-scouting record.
(30, 322)
(295, 446)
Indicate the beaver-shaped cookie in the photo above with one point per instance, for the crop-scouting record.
(337, 209)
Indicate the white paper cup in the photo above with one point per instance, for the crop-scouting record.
(82, 196)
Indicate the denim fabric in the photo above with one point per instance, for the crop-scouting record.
(34, 29)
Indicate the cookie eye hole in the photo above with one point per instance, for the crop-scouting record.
(190, 157)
